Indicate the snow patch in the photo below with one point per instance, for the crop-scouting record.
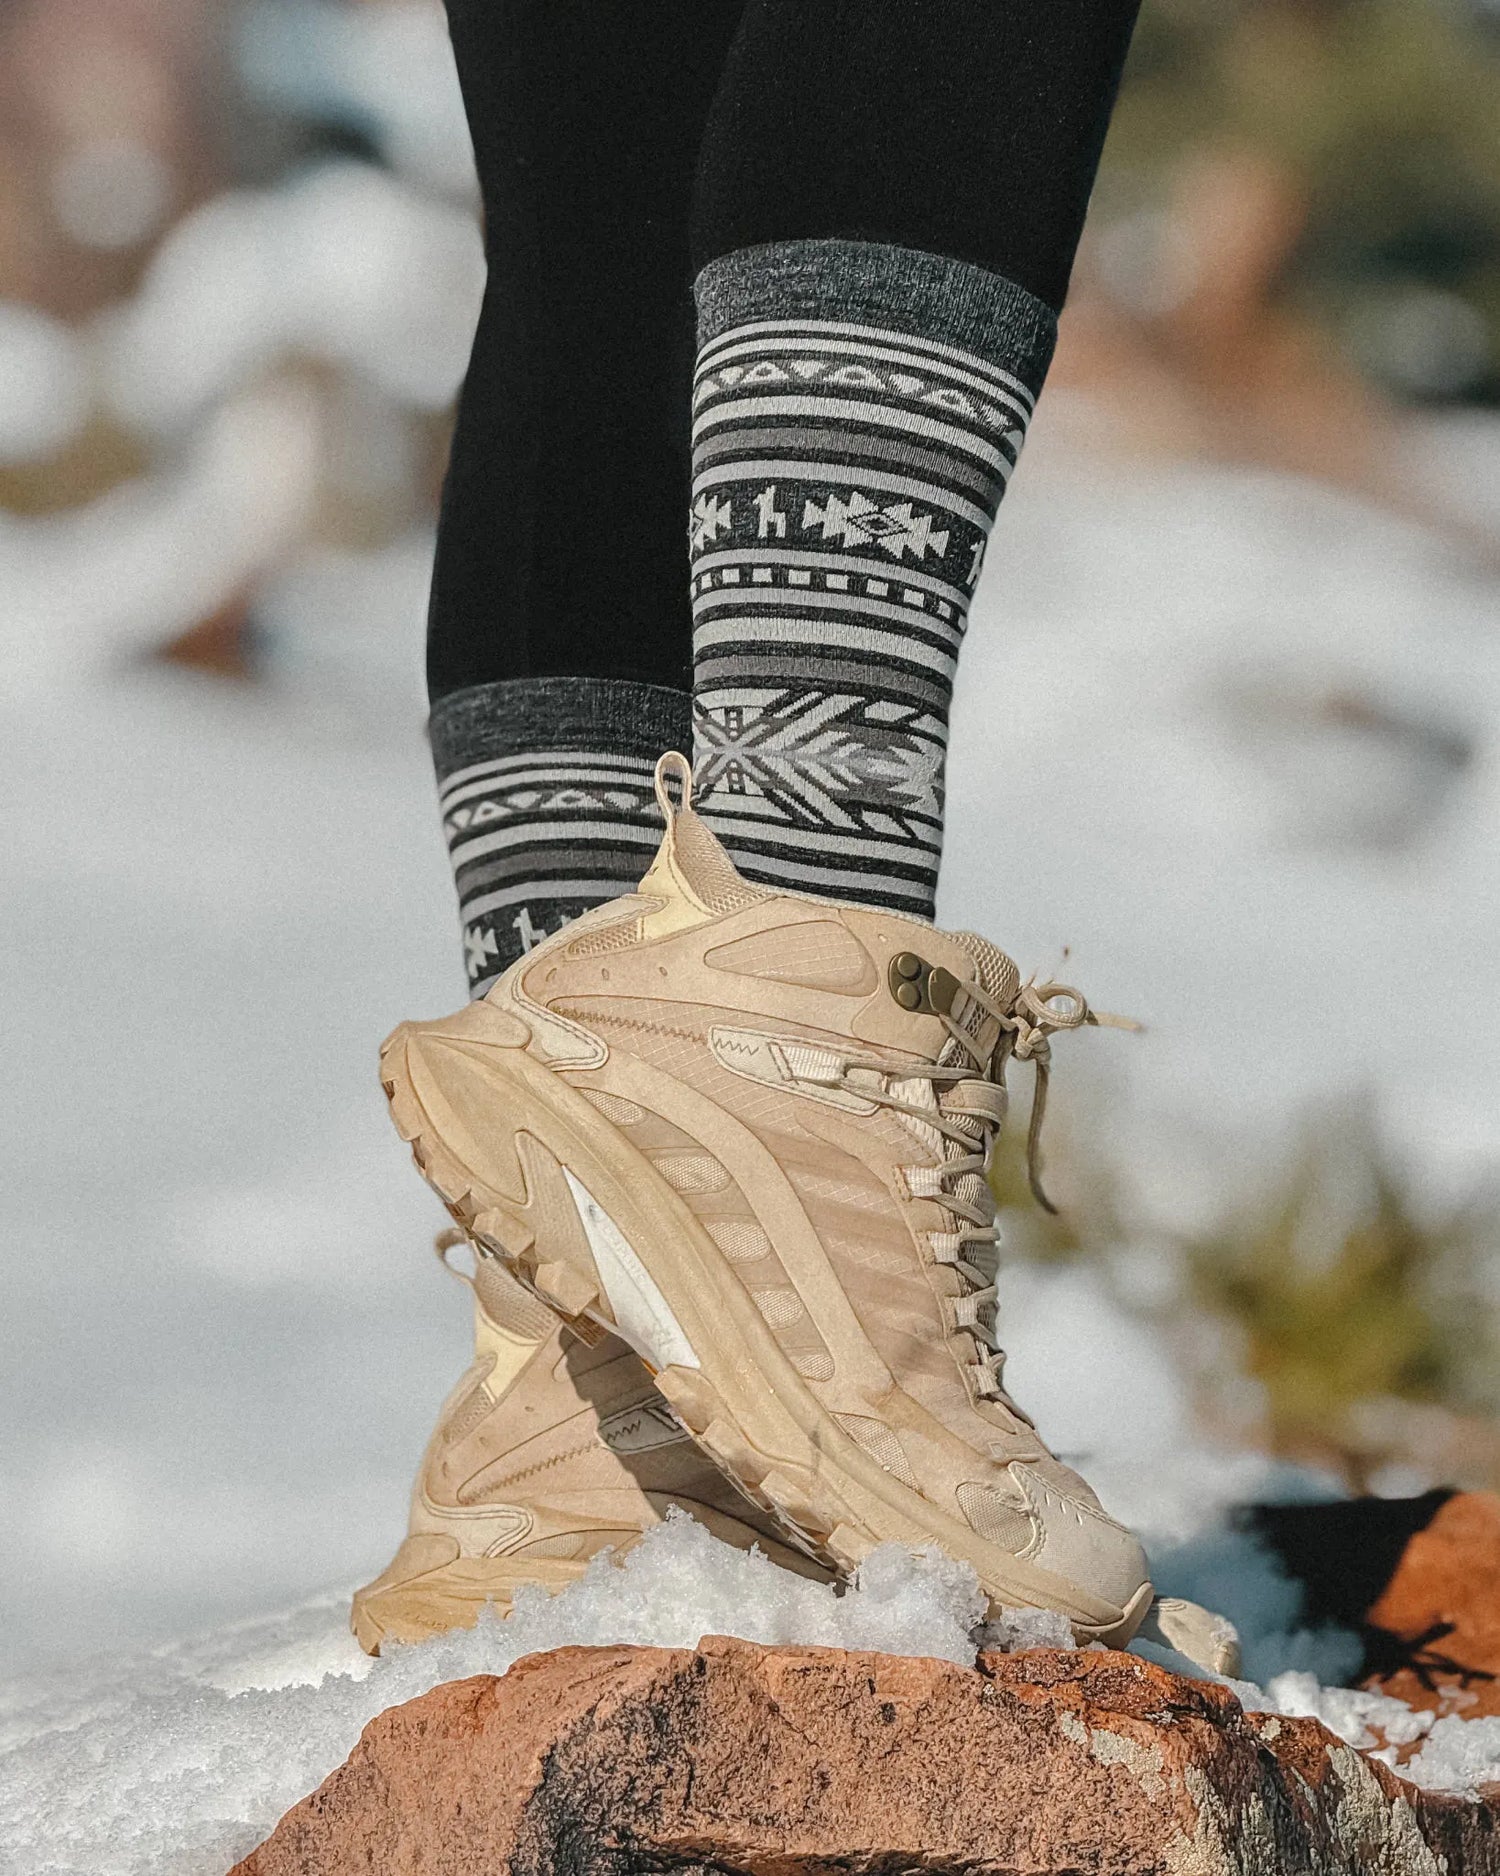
(178, 1762)
(1459, 1755)
(1016, 1629)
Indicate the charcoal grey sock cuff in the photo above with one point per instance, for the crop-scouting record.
(548, 804)
(926, 296)
(592, 714)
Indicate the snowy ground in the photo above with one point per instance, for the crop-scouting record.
(1233, 740)
(176, 1763)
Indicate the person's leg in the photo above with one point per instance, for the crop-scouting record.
(559, 639)
(890, 199)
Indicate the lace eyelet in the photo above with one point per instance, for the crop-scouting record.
(983, 1381)
(924, 1182)
(946, 1247)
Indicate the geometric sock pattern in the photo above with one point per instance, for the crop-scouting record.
(847, 469)
(545, 788)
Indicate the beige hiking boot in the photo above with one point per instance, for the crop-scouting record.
(748, 1131)
(549, 1450)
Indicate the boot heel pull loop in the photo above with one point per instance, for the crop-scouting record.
(674, 763)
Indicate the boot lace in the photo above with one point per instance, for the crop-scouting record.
(967, 1107)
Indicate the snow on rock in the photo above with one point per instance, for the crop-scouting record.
(1016, 1629)
(177, 1762)
(1077, 1760)
(1363, 1719)
(1458, 1755)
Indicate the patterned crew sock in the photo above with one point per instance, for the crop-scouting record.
(547, 802)
(858, 412)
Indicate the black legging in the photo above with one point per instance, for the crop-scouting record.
(621, 144)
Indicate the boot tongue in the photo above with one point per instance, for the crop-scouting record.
(997, 975)
(691, 864)
(999, 979)
(706, 869)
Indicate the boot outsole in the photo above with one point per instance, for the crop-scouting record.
(413, 1600)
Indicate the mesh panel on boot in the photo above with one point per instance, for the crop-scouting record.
(708, 869)
(999, 978)
(691, 1172)
(617, 937)
(880, 1443)
(740, 1240)
(508, 1305)
(995, 1518)
(615, 1107)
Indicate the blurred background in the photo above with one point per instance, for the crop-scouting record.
(1227, 741)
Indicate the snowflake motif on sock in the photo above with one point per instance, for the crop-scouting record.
(480, 945)
(895, 529)
(824, 760)
(710, 517)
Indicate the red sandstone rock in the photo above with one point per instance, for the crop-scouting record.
(807, 1762)
(1442, 1606)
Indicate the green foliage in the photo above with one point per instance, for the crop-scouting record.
(1368, 1323)
(1340, 1292)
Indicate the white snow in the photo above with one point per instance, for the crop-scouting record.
(1458, 1755)
(386, 65)
(43, 389)
(1366, 1720)
(344, 265)
(1016, 1629)
(177, 1762)
(224, 1345)
(88, 588)
(1233, 739)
